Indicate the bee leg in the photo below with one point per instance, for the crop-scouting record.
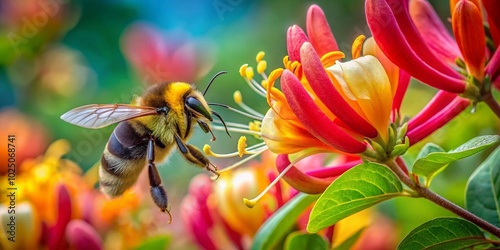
(194, 155)
(158, 193)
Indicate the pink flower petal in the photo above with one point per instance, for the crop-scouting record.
(438, 120)
(328, 94)
(433, 31)
(403, 82)
(57, 231)
(393, 43)
(294, 40)
(319, 31)
(82, 236)
(300, 181)
(492, 7)
(438, 103)
(314, 119)
(415, 40)
(333, 171)
(493, 67)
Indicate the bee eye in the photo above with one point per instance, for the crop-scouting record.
(196, 105)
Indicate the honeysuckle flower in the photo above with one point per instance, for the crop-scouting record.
(159, 58)
(412, 36)
(213, 211)
(328, 105)
(57, 207)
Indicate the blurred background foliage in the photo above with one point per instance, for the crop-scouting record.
(78, 56)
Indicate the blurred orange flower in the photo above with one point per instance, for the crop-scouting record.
(31, 138)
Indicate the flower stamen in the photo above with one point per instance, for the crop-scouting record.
(238, 99)
(251, 203)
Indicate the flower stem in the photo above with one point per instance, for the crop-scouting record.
(428, 194)
(493, 105)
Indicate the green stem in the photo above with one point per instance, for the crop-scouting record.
(493, 105)
(428, 194)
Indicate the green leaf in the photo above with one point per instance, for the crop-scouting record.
(429, 148)
(275, 229)
(347, 244)
(357, 189)
(298, 240)
(433, 163)
(482, 193)
(444, 233)
(155, 242)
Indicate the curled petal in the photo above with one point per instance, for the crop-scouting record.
(365, 81)
(284, 136)
(389, 36)
(319, 31)
(300, 181)
(438, 120)
(469, 33)
(328, 94)
(294, 40)
(314, 119)
(433, 31)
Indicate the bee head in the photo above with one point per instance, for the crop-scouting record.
(198, 108)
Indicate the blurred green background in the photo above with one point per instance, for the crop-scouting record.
(77, 58)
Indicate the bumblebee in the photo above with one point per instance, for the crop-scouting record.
(148, 130)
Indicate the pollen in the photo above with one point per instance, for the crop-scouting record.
(261, 67)
(260, 56)
(243, 70)
(238, 99)
(249, 73)
(242, 144)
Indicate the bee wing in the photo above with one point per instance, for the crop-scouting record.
(102, 115)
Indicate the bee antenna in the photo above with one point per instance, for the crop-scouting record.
(218, 104)
(213, 78)
(223, 123)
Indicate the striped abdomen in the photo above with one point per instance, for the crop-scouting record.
(123, 159)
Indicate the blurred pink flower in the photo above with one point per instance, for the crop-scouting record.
(159, 57)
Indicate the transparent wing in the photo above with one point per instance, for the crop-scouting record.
(102, 115)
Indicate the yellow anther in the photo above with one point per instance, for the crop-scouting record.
(208, 150)
(242, 144)
(331, 57)
(264, 83)
(285, 60)
(237, 97)
(357, 45)
(261, 67)
(254, 126)
(243, 70)
(275, 74)
(249, 73)
(250, 203)
(260, 56)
